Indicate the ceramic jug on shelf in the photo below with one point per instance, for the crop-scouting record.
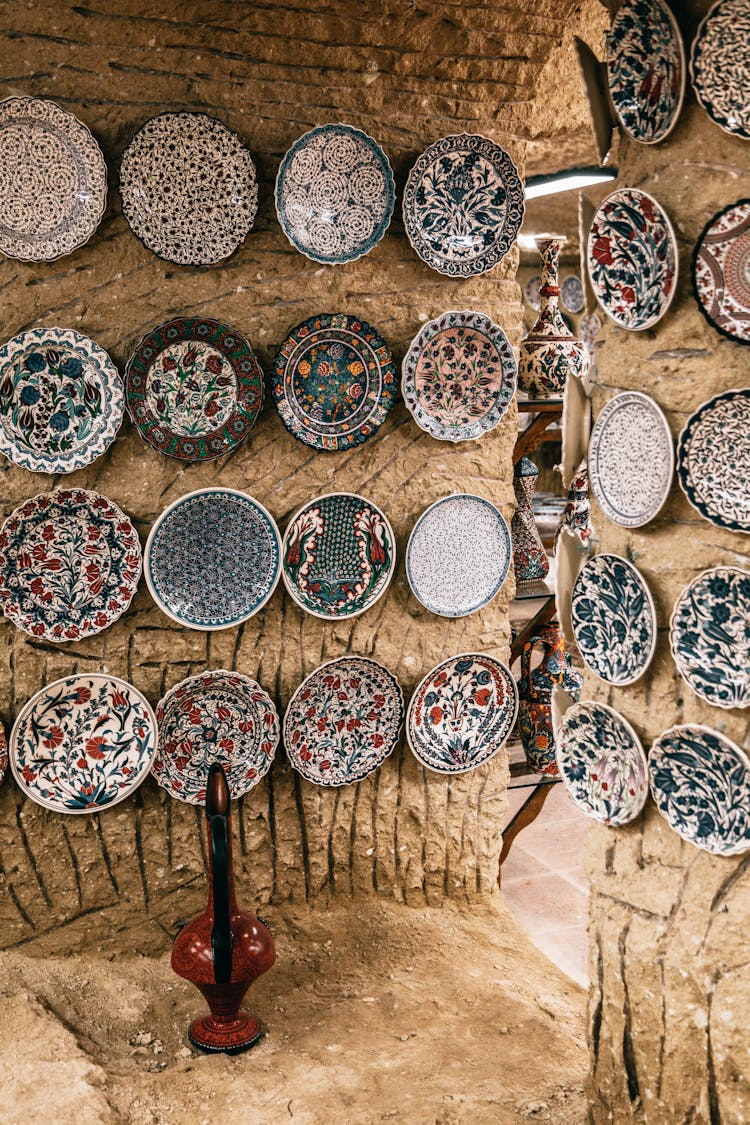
(535, 696)
(223, 950)
(530, 561)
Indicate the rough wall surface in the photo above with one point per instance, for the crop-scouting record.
(407, 74)
(669, 960)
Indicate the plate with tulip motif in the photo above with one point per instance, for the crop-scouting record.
(602, 763)
(614, 619)
(710, 636)
(646, 69)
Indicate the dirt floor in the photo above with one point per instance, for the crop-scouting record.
(375, 1012)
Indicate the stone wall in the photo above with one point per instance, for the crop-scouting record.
(668, 932)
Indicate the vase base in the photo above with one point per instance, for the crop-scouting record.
(231, 1038)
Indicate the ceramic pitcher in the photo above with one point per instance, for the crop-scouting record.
(535, 696)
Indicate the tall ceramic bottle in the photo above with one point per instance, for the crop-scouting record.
(530, 560)
(550, 353)
(535, 696)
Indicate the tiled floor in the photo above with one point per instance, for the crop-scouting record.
(543, 883)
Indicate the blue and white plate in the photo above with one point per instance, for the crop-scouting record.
(335, 194)
(720, 66)
(700, 781)
(463, 205)
(710, 636)
(571, 291)
(646, 69)
(213, 558)
(713, 460)
(602, 763)
(614, 619)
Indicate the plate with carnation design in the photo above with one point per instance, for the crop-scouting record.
(700, 781)
(213, 558)
(70, 562)
(614, 619)
(343, 721)
(632, 259)
(602, 763)
(61, 400)
(463, 205)
(53, 180)
(709, 634)
(338, 555)
(335, 194)
(721, 271)
(720, 66)
(215, 717)
(194, 388)
(646, 69)
(458, 555)
(631, 459)
(459, 376)
(83, 743)
(713, 460)
(462, 713)
(333, 381)
(189, 188)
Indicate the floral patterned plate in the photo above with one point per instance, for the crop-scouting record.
(213, 558)
(713, 460)
(343, 721)
(631, 459)
(710, 636)
(463, 205)
(335, 194)
(720, 66)
(632, 259)
(333, 381)
(459, 376)
(458, 555)
(218, 716)
(721, 271)
(531, 292)
(194, 388)
(189, 189)
(70, 561)
(53, 180)
(571, 291)
(700, 782)
(61, 400)
(462, 713)
(614, 619)
(602, 763)
(646, 69)
(83, 743)
(338, 555)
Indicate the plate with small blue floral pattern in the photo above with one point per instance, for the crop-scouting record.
(614, 619)
(700, 781)
(709, 634)
(646, 69)
(602, 763)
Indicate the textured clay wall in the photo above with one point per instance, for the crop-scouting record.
(669, 957)
(408, 74)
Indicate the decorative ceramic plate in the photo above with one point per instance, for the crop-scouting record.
(83, 743)
(614, 619)
(194, 388)
(646, 69)
(189, 188)
(335, 194)
(531, 292)
(338, 555)
(710, 636)
(721, 271)
(53, 180)
(632, 259)
(459, 376)
(458, 555)
(631, 459)
(713, 460)
(219, 716)
(589, 327)
(602, 763)
(463, 205)
(462, 713)
(570, 555)
(333, 381)
(701, 784)
(575, 427)
(61, 400)
(213, 558)
(720, 66)
(343, 720)
(571, 291)
(70, 561)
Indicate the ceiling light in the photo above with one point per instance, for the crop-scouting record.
(573, 179)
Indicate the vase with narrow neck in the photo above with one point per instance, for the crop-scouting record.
(535, 696)
(550, 354)
(530, 560)
(224, 949)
